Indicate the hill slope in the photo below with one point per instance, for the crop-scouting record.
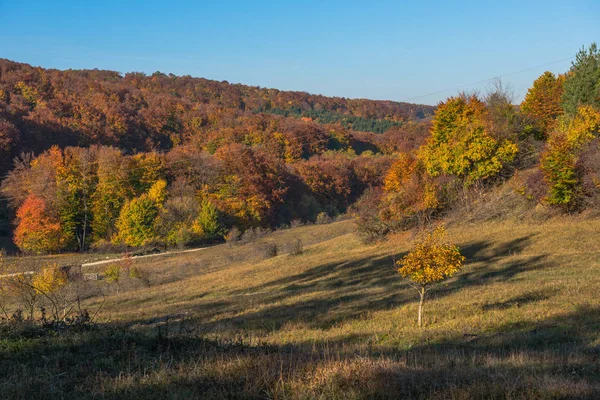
(43, 107)
(521, 321)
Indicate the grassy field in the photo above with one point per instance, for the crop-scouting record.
(521, 321)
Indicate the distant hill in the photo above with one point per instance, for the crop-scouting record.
(42, 107)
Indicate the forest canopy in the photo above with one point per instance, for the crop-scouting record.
(104, 159)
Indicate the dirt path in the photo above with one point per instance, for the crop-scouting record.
(166, 253)
(108, 261)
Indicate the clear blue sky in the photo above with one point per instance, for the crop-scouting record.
(392, 50)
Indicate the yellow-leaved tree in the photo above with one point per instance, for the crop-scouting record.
(461, 145)
(48, 282)
(432, 260)
(559, 161)
(137, 221)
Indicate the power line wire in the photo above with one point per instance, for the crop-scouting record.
(490, 79)
(308, 143)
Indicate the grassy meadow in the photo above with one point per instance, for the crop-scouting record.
(521, 321)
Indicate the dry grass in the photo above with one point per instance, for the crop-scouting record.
(521, 321)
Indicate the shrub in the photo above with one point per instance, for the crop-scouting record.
(104, 246)
(268, 250)
(410, 196)
(253, 234)
(48, 282)
(370, 226)
(20, 288)
(176, 219)
(233, 236)
(15, 326)
(141, 275)
(181, 235)
(410, 189)
(296, 248)
(535, 186)
(247, 236)
(589, 165)
(323, 218)
(112, 273)
(49, 279)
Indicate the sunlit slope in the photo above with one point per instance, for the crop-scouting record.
(516, 276)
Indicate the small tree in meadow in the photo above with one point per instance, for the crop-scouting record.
(431, 261)
(48, 282)
(112, 273)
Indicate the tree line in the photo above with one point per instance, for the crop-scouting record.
(81, 197)
(548, 147)
(205, 168)
(136, 112)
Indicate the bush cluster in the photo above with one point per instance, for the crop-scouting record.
(475, 143)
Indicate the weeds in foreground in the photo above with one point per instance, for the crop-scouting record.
(116, 362)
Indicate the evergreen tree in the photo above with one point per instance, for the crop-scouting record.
(582, 86)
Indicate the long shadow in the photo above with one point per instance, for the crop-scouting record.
(519, 301)
(350, 289)
(486, 251)
(379, 271)
(554, 358)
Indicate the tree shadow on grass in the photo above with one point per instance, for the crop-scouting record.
(325, 295)
(487, 252)
(381, 271)
(555, 358)
(519, 301)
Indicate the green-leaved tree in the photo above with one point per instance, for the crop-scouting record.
(582, 85)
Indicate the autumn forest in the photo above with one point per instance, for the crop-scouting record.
(94, 149)
(94, 158)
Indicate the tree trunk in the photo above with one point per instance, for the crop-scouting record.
(85, 221)
(422, 294)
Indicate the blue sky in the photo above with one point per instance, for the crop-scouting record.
(393, 50)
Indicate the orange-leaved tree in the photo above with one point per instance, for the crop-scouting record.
(37, 232)
(409, 191)
(432, 260)
(542, 102)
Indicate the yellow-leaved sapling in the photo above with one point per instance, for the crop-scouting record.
(431, 260)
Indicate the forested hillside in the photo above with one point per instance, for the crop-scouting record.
(89, 142)
(134, 160)
(136, 112)
(547, 151)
